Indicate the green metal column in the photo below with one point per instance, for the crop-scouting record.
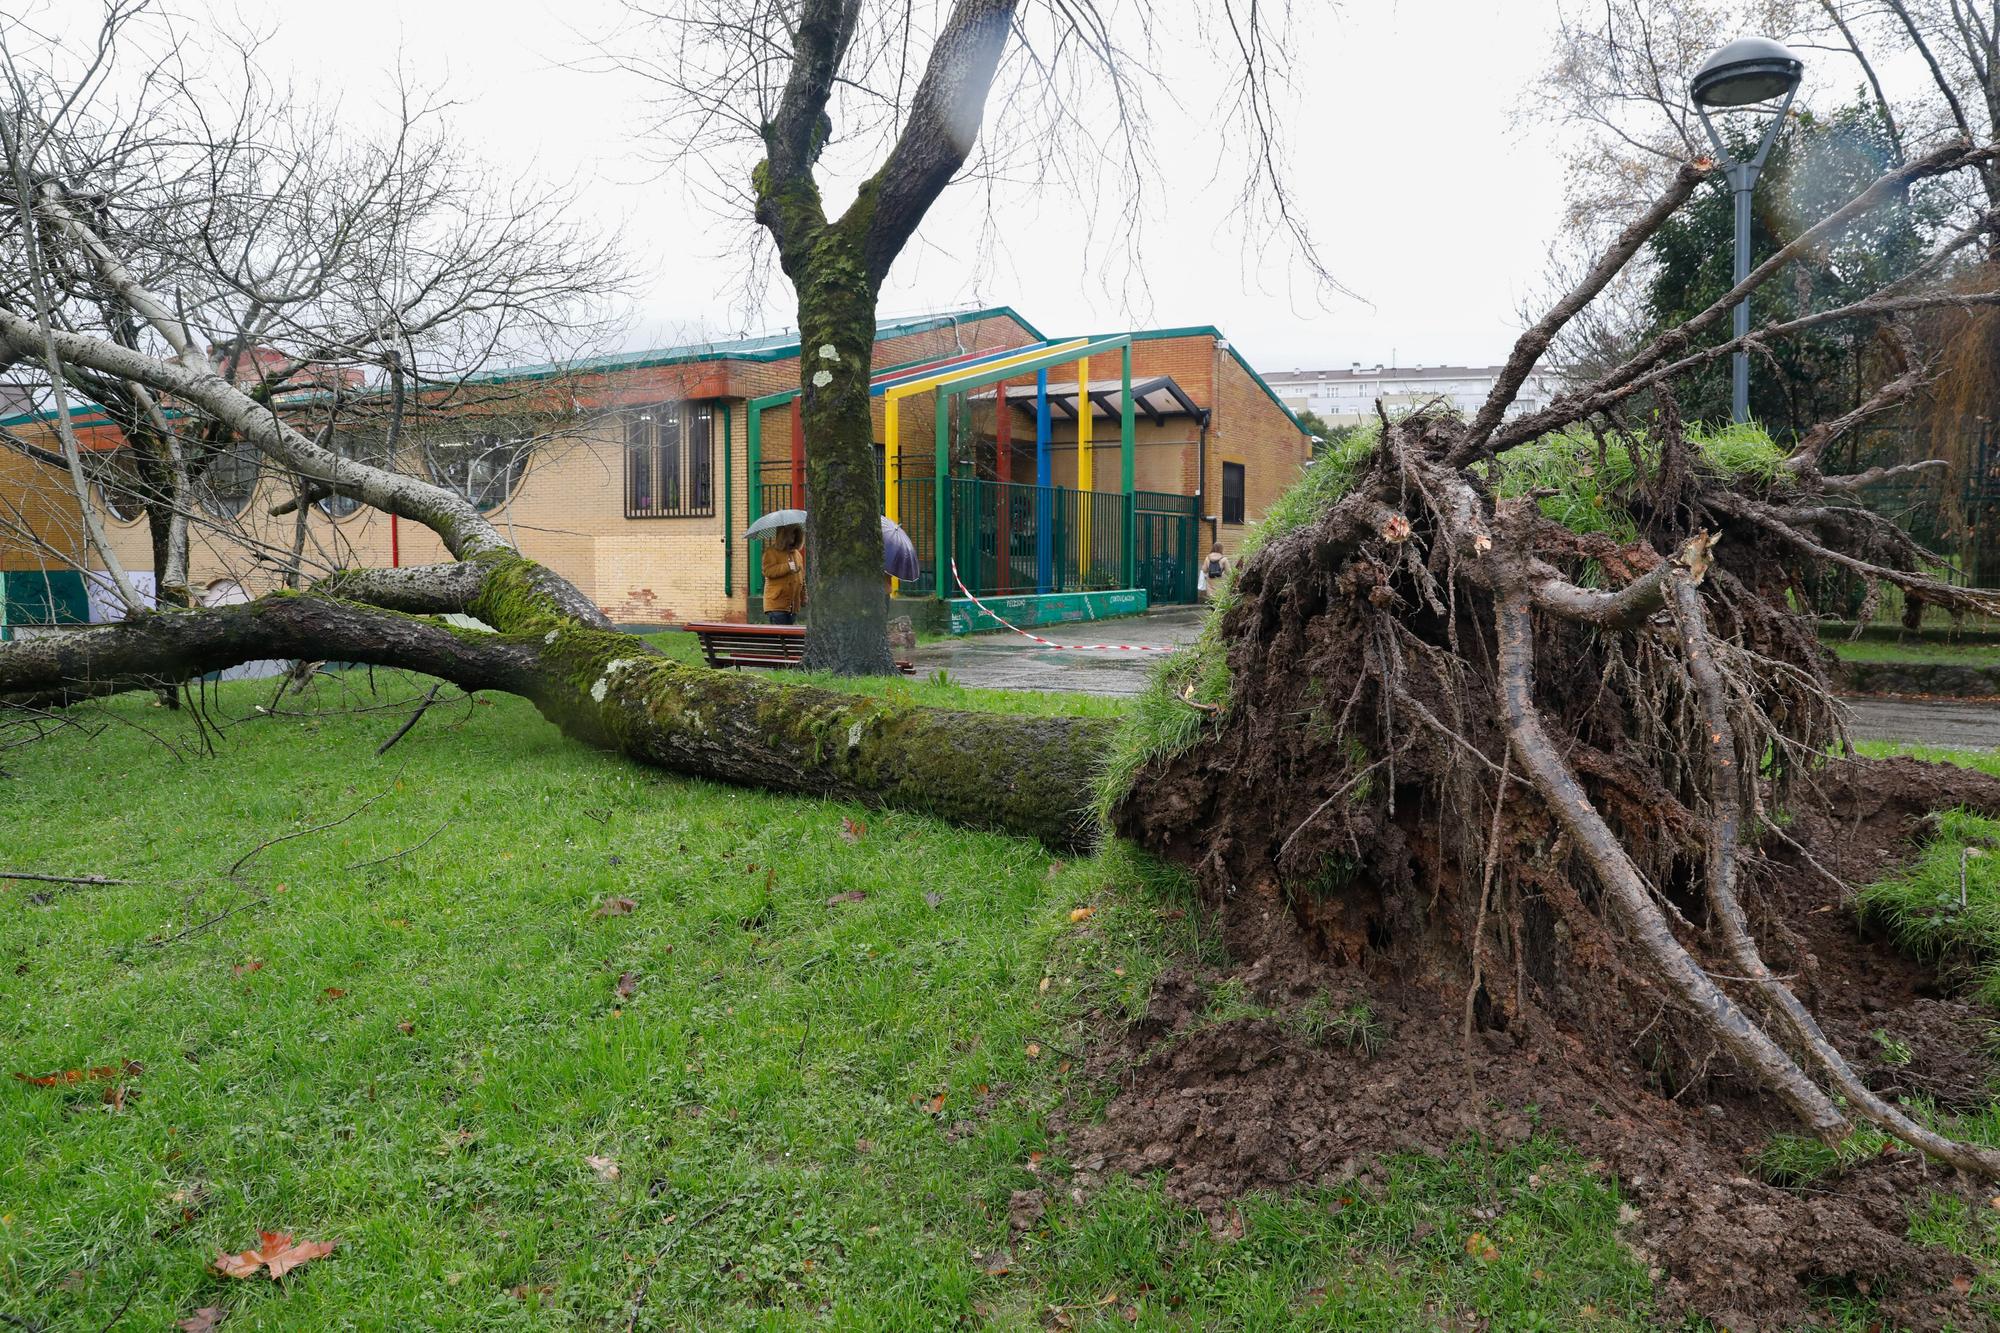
(941, 472)
(1127, 423)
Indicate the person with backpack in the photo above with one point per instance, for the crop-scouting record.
(1212, 570)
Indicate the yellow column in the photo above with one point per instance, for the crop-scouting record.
(892, 469)
(1083, 469)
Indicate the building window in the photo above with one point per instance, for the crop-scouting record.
(351, 447)
(117, 476)
(226, 484)
(1232, 492)
(485, 469)
(670, 461)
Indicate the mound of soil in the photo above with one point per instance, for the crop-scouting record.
(1224, 1108)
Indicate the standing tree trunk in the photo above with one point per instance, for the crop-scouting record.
(837, 268)
(846, 599)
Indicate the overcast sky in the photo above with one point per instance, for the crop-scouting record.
(1427, 200)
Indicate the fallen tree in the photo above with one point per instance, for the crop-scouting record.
(1437, 719)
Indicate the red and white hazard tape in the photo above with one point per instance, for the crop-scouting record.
(1050, 643)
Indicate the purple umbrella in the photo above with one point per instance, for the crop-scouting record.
(899, 553)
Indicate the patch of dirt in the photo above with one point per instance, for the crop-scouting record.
(1224, 1108)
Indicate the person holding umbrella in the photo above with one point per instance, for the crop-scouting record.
(785, 575)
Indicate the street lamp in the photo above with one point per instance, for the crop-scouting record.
(1747, 72)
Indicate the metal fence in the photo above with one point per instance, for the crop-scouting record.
(1011, 538)
(1168, 545)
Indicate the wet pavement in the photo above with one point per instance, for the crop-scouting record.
(1946, 722)
(1006, 661)
(1010, 662)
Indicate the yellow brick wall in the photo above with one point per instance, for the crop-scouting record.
(568, 510)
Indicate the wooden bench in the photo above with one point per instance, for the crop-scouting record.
(751, 645)
(774, 646)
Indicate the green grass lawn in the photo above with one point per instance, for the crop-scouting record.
(1916, 650)
(795, 1084)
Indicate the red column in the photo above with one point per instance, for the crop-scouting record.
(798, 458)
(1003, 467)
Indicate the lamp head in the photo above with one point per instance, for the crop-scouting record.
(1748, 70)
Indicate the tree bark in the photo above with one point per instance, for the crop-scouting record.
(1022, 775)
(847, 602)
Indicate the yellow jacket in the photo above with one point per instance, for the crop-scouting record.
(784, 579)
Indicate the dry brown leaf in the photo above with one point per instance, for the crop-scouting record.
(254, 965)
(202, 1320)
(292, 1256)
(1961, 1284)
(605, 1167)
(406, 1028)
(95, 1074)
(852, 831)
(619, 906)
(627, 983)
(276, 1254)
(851, 896)
(1480, 1248)
(1034, 1050)
(1082, 914)
(114, 1097)
(528, 1291)
(335, 993)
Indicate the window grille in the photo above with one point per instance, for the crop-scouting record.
(485, 469)
(230, 478)
(670, 461)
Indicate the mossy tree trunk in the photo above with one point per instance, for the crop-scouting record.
(837, 267)
(1023, 775)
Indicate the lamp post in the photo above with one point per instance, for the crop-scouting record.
(1748, 72)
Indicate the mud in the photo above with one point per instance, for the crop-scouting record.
(1250, 1104)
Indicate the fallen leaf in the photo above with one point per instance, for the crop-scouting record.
(254, 965)
(202, 1320)
(1043, 988)
(851, 896)
(1082, 914)
(1055, 868)
(1961, 1284)
(527, 1290)
(1480, 1248)
(293, 1255)
(605, 1167)
(276, 1254)
(627, 983)
(933, 899)
(1034, 1050)
(95, 1074)
(619, 906)
(937, 1103)
(406, 1028)
(852, 832)
(335, 993)
(114, 1097)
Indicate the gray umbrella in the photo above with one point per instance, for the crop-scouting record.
(771, 522)
(899, 553)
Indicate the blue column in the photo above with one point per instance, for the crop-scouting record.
(1044, 496)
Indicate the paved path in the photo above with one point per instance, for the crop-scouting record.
(1954, 725)
(1009, 662)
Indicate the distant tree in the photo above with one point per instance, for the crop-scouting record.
(1817, 164)
(1315, 425)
